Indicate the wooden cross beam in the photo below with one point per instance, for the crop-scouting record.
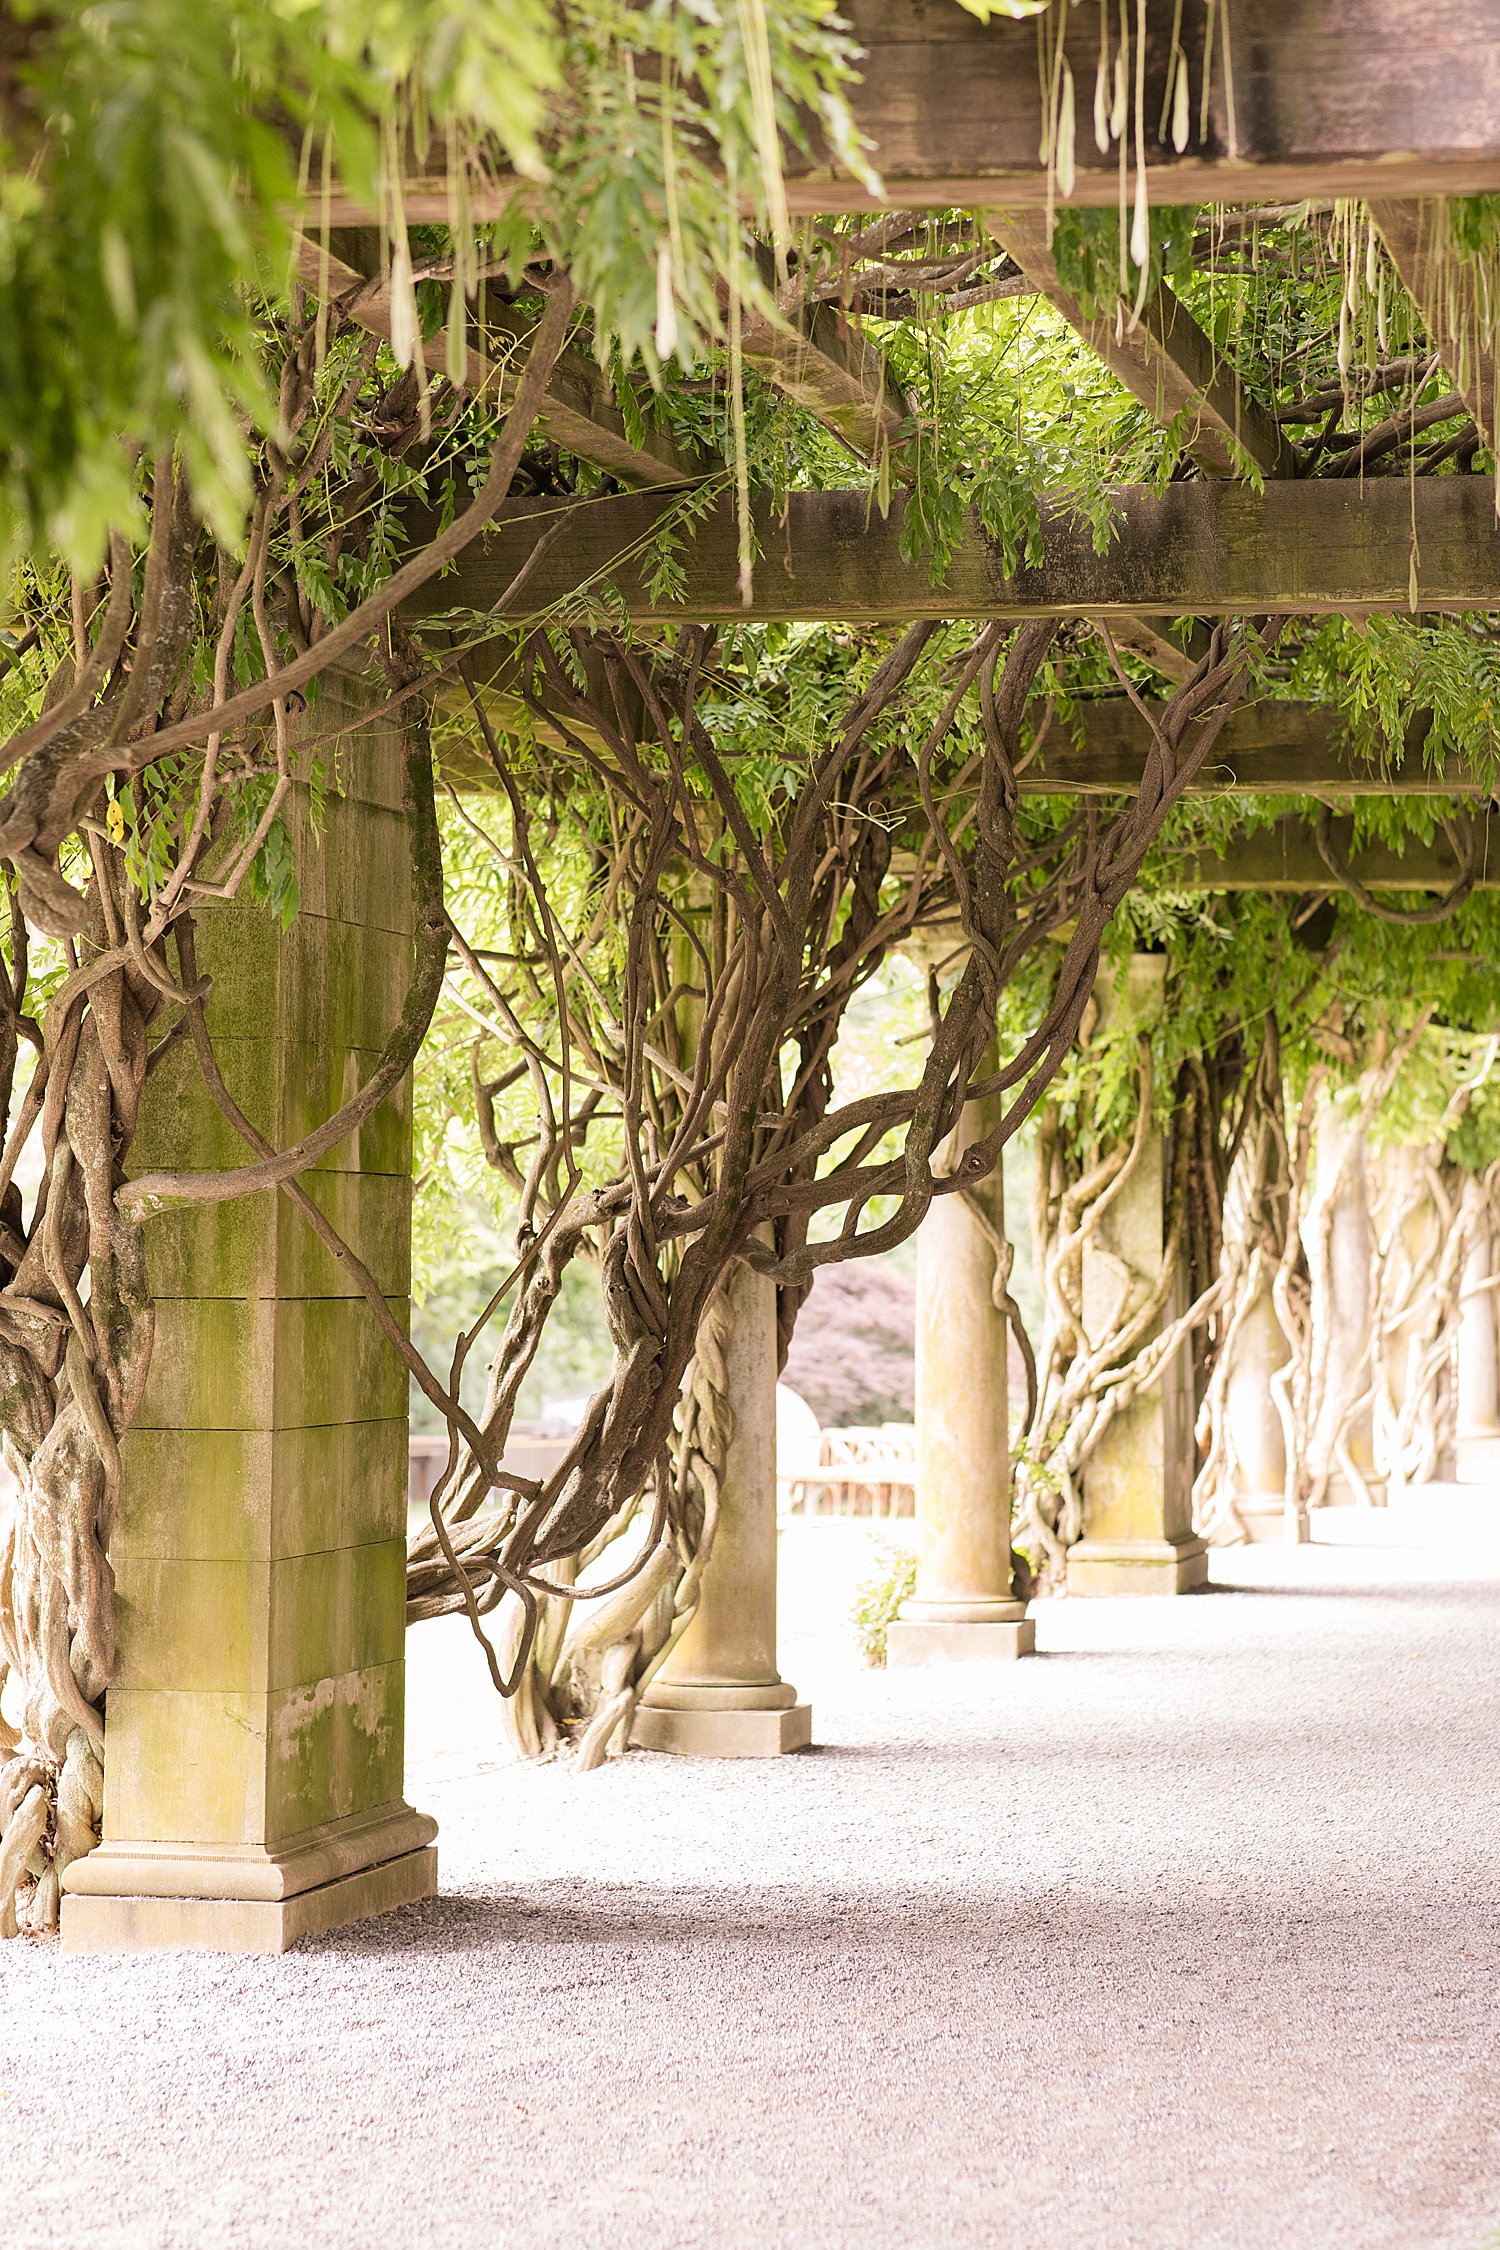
(580, 415)
(1331, 97)
(841, 380)
(1163, 358)
(1194, 550)
(1285, 857)
(1266, 748)
(1269, 749)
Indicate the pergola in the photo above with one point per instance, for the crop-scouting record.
(254, 1735)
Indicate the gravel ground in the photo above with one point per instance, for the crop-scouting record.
(1184, 1935)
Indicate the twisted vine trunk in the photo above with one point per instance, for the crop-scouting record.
(1111, 1330)
(1322, 1283)
(1239, 1491)
(1429, 1217)
(71, 1376)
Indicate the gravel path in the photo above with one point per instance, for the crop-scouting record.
(1184, 1935)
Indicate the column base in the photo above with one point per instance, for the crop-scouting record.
(247, 1898)
(1267, 1524)
(1137, 1566)
(153, 1924)
(980, 1611)
(910, 1642)
(735, 1733)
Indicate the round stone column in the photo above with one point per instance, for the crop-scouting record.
(964, 1605)
(1478, 1388)
(1338, 1237)
(1259, 1488)
(719, 1694)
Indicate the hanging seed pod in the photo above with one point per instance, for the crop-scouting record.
(1140, 226)
(406, 326)
(666, 301)
(1182, 107)
(1101, 100)
(1067, 135)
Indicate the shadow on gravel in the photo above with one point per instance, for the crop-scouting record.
(1175, 1921)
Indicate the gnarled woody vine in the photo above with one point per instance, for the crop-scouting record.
(692, 1082)
(787, 936)
(674, 1016)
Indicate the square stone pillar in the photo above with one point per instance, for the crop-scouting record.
(254, 1729)
(964, 1605)
(1138, 1535)
(719, 1694)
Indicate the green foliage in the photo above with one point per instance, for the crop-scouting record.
(156, 151)
(1474, 224)
(878, 1599)
(1383, 675)
(1101, 272)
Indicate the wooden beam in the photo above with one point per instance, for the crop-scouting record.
(1331, 97)
(1198, 549)
(579, 415)
(1269, 749)
(842, 380)
(1447, 295)
(1153, 638)
(1165, 361)
(1285, 857)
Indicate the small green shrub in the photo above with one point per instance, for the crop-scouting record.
(879, 1598)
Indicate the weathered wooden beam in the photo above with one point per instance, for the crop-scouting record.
(1164, 360)
(1198, 549)
(579, 415)
(1269, 749)
(1447, 293)
(1152, 637)
(842, 380)
(1331, 97)
(1285, 857)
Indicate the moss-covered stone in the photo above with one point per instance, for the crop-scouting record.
(260, 1553)
(251, 1495)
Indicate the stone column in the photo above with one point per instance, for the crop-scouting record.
(719, 1694)
(1478, 1390)
(964, 1605)
(1338, 1237)
(1138, 1535)
(253, 1733)
(1259, 1483)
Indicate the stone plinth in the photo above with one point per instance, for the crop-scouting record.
(963, 1606)
(719, 1694)
(1138, 1535)
(253, 1744)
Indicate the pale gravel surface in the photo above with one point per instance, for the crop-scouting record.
(1184, 1935)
